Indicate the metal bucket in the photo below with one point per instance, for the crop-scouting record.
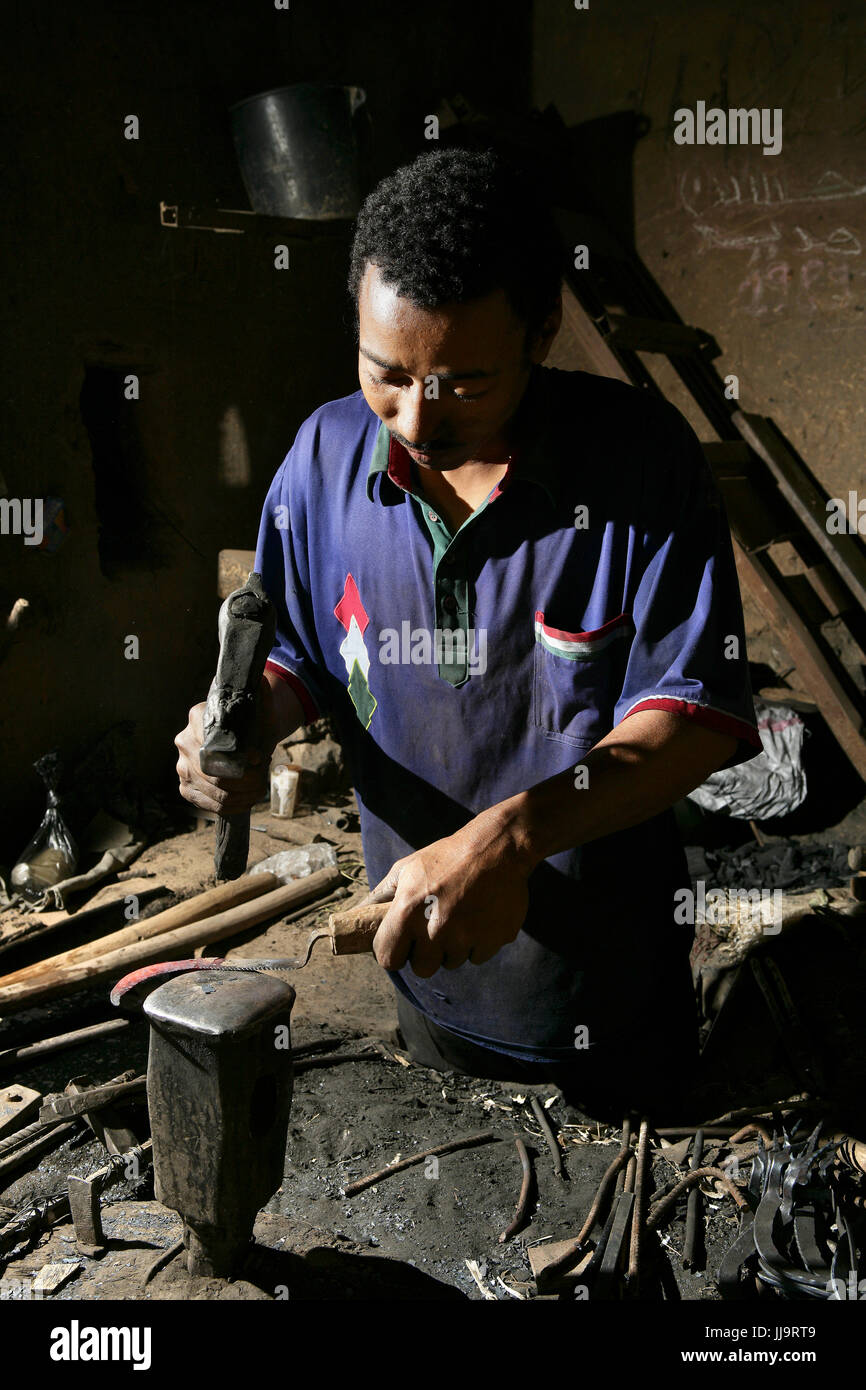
(303, 150)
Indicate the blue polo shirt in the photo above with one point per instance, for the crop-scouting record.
(597, 579)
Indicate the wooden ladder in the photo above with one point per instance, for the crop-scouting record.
(616, 315)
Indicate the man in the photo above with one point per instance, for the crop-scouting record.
(514, 590)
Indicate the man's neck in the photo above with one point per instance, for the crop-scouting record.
(458, 492)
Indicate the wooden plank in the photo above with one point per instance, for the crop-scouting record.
(814, 669)
(657, 335)
(237, 221)
(579, 344)
(808, 501)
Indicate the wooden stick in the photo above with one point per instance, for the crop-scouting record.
(173, 945)
(467, 1142)
(352, 930)
(205, 904)
(77, 1038)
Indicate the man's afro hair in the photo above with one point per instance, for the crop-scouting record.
(455, 225)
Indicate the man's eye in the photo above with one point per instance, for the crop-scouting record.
(476, 397)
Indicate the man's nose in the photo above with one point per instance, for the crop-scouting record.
(417, 416)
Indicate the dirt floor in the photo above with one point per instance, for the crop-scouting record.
(415, 1234)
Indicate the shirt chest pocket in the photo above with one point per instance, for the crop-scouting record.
(578, 678)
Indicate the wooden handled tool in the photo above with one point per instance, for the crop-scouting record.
(350, 933)
(352, 930)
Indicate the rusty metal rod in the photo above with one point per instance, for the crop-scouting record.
(693, 1205)
(52, 1138)
(574, 1247)
(626, 1140)
(333, 1058)
(750, 1129)
(467, 1141)
(520, 1213)
(696, 1175)
(549, 1136)
(23, 1136)
(38, 1218)
(633, 1275)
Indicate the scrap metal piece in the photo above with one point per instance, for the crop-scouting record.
(18, 1106)
(605, 1282)
(84, 1195)
(81, 1102)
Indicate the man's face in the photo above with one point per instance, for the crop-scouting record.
(444, 381)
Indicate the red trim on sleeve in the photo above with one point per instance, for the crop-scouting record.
(308, 705)
(710, 718)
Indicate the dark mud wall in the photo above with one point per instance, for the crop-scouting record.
(766, 252)
(231, 354)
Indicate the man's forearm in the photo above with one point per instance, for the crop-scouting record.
(281, 708)
(637, 770)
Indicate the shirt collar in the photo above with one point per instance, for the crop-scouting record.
(535, 458)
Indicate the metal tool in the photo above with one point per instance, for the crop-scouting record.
(247, 626)
(350, 933)
(786, 1239)
(219, 1089)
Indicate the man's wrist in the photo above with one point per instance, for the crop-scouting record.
(515, 824)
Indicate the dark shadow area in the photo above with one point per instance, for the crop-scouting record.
(323, 1273)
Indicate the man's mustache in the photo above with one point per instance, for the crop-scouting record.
(434, 446)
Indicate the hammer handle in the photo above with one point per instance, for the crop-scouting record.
(232, 845)
(352, 931)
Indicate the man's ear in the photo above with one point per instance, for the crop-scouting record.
(541, 340)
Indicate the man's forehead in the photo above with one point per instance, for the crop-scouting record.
(446, 374)
(468, 340)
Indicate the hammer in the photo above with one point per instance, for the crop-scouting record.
(247, 626)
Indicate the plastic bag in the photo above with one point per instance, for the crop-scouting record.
(52, 854)
(773, 783)
(298, 863)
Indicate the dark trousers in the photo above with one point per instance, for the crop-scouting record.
(651, 1070)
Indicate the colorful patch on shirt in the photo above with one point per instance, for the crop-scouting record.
(351, 613)
(580, 646)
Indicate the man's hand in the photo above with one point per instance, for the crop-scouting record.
(460, 899)
(218, 794)
(280, 714)
(464, 897)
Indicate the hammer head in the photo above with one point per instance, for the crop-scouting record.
(219, 1088)
(247, 626)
